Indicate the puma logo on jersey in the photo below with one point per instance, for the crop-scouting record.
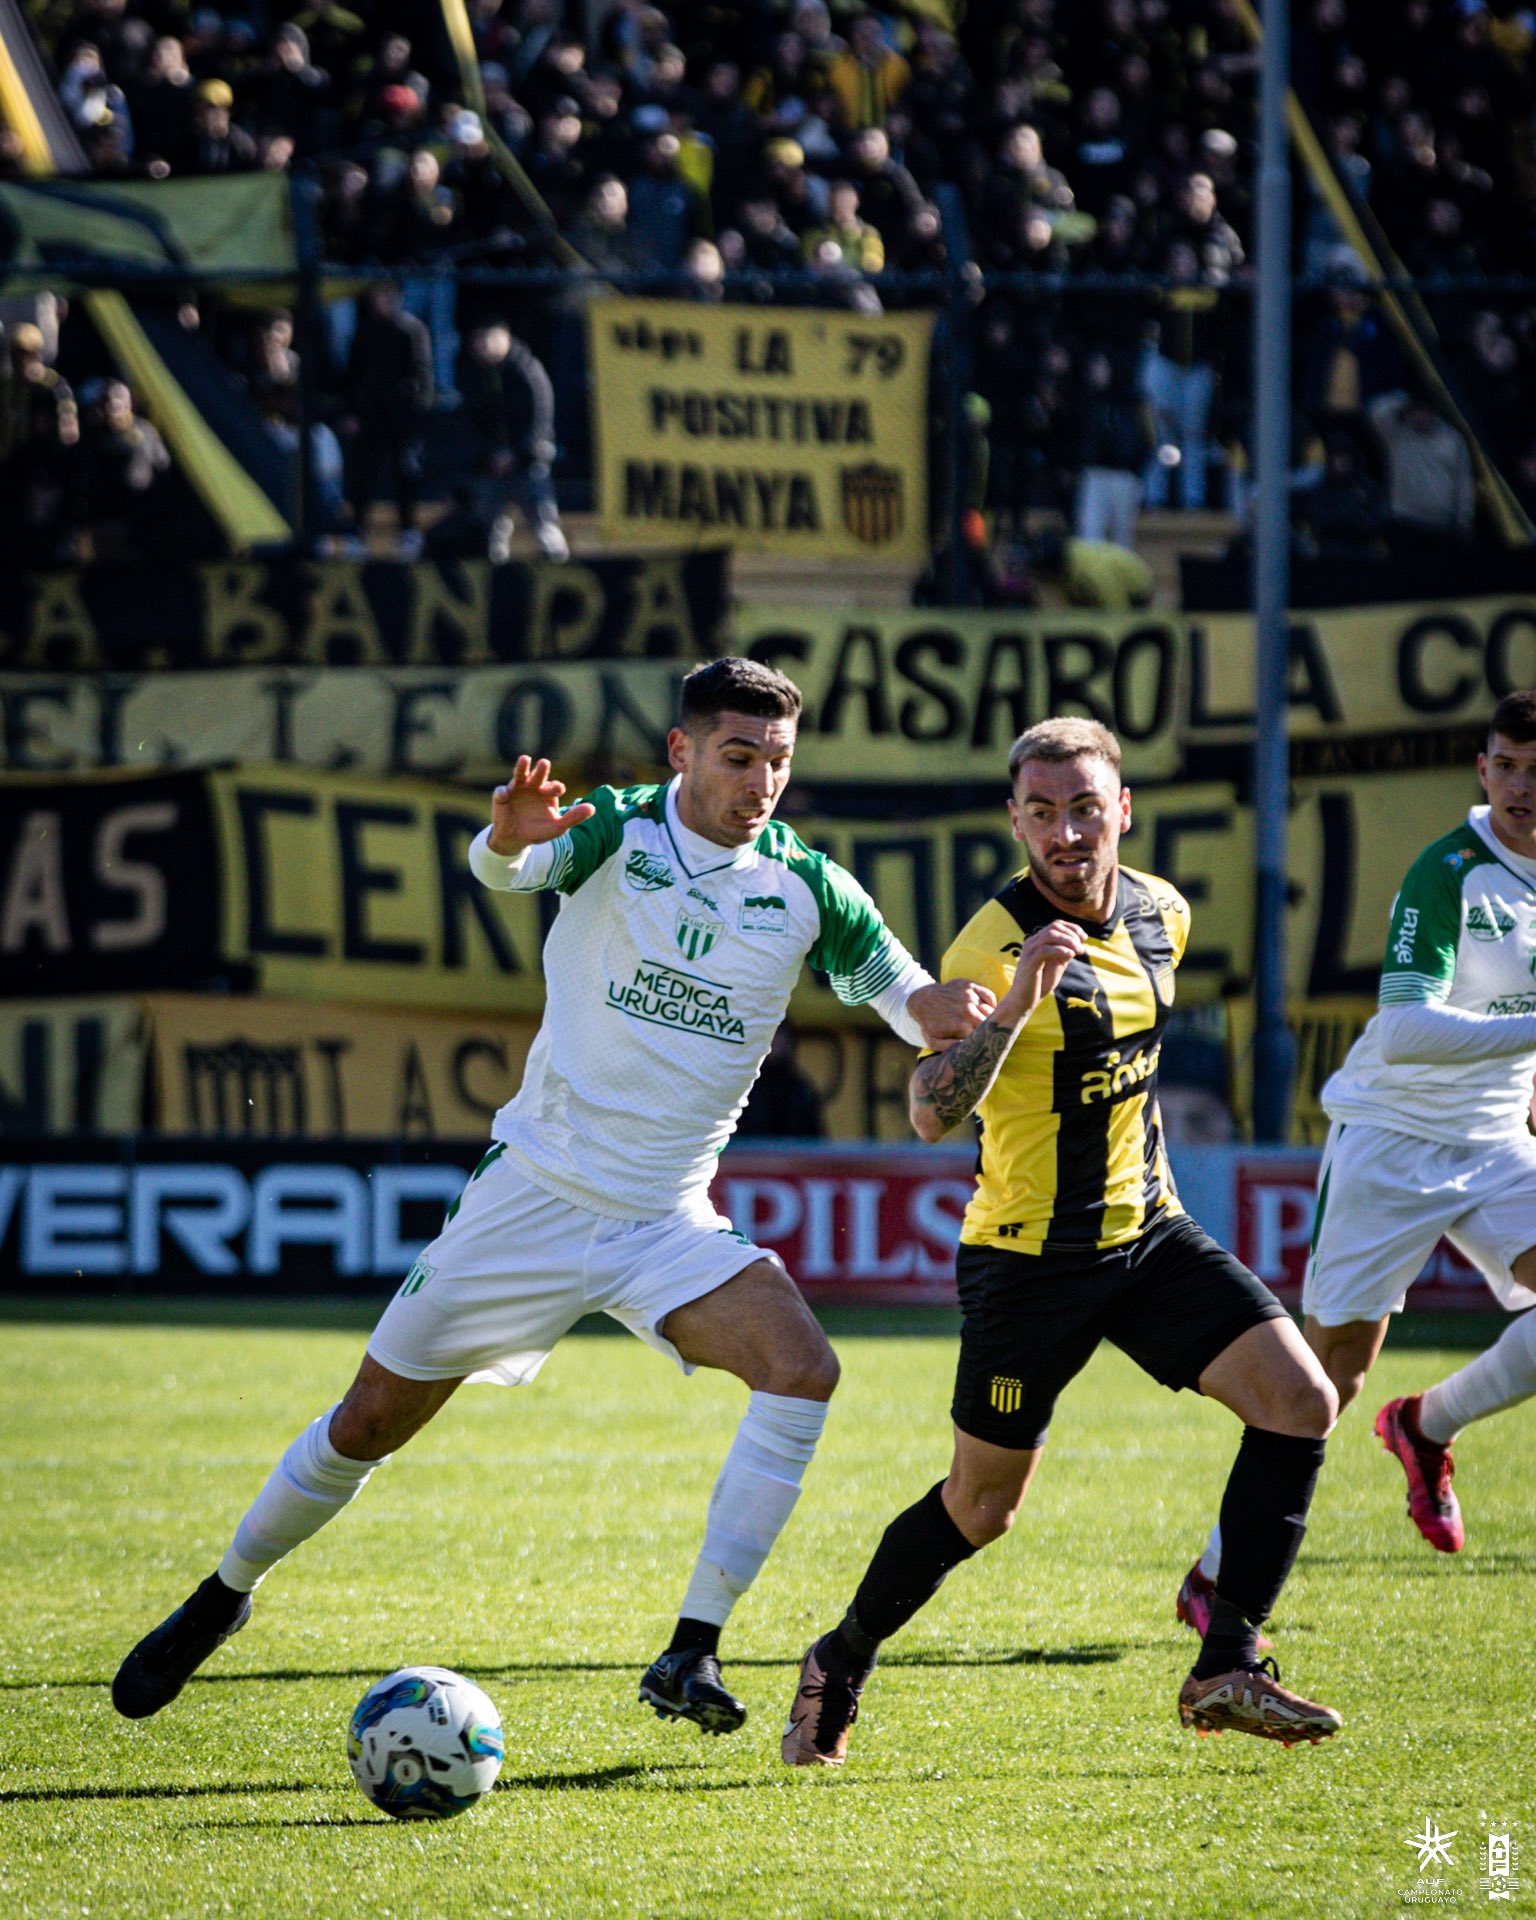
(1089, 1006)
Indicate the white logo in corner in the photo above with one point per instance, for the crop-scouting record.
(1500, 1877)
(1432, 1845)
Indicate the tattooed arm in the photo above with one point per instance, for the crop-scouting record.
(949, 1085)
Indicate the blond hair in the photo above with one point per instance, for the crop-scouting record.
(1054, 741)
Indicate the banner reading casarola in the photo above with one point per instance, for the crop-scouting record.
(790, 430)
(335, 887)
(593, 659)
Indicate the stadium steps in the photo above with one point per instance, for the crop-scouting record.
(1161, 539)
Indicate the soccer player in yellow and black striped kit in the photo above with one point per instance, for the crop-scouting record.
(1075, 1235)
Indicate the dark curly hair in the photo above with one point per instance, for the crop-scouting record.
(733, 685)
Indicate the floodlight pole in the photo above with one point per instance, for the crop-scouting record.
(1274, 1049)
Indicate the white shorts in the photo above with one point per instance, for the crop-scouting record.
(515, 1268)
(1385, 1198)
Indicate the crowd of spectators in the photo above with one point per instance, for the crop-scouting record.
(739, 149)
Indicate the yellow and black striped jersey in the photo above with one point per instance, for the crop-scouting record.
(1072, 1151)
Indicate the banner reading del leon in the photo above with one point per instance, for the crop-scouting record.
(788, 429)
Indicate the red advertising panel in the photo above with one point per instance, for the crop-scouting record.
(861, 1225)
(1275, 1202)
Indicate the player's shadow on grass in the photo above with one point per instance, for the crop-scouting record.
(146, 1792)
(1094, 1654)
(269, 1826)
(591, 1779)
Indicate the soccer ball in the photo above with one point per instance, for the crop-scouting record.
(424, 1743)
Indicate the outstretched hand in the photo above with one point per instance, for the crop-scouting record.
(525, 812)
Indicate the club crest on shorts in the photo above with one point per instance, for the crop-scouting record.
(417, 1278)
(697, 933)
(1007, 1394)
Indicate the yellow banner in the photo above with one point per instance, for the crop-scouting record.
(346, 889)
(941, 693)
(341, 889)
(71, 1066)
(913, 695)
(238, 1068)
(1360, 671)
(788, 430)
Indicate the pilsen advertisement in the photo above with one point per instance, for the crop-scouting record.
(790, 431)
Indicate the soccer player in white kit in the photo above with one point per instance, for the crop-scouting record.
(687, 915)
(1431, 1135)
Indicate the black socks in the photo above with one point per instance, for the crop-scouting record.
(1263, 1519)
(916, 1551)
(214, 1605)
(695, 1636)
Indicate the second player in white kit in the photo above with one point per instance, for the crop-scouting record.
(1430, 1133)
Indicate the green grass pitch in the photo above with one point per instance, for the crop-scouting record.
(1019, 1752)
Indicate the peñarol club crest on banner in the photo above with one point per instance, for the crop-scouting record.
(697, 933)
(872, 503)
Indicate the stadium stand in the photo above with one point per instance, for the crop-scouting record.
(1004, 163)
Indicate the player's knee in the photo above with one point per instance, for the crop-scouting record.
(985, 1520)
(1313, 1407)
(362, 1432)
(811, 1374)
(983, 1514)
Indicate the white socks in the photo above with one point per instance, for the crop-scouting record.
(1210, 1559)
(1499, 1378)
(308, 1486)
(753, 1497)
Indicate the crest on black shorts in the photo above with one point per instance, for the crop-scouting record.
(1007, 1394)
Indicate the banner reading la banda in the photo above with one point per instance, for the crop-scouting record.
(795, 430)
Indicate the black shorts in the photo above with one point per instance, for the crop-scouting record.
(1171, 1299)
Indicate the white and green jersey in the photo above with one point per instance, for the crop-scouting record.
(667, 970)
(1462, 937)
